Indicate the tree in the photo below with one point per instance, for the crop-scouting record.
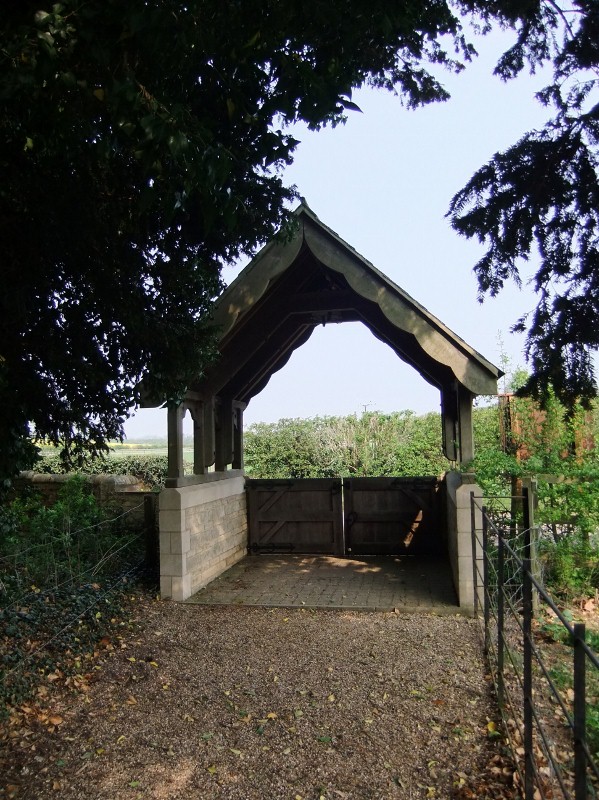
(539, 201)
(142, 144)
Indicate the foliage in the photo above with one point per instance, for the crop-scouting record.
(150, 470)
(61, 580)
(556, 446)
(540, 199)
(396, 444)
(73, 540)
(571, 565)
(166, 163)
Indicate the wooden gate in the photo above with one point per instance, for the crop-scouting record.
(295, 516)
(357, 516)
(393, 516)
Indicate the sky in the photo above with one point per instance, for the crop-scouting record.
(383, 182)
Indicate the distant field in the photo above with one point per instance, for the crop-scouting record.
(148, 451)
(133, 449)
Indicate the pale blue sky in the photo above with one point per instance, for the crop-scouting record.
(383, 182)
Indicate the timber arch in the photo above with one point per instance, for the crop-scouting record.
(291, 286)
(272, 308)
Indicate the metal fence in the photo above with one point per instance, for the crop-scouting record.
(546, 726)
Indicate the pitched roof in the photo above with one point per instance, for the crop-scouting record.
(314, 277)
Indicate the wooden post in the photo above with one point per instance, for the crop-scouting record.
(449, 420)
(466, 440)
(208, 432)
(237, 462)
(197, 414)
(175, 441)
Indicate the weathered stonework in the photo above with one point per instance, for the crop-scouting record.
(459, 535)
(203, 532)
(124, 492)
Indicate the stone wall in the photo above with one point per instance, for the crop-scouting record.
(203, 532)
(125, 492)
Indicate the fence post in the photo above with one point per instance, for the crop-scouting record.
(526, 523)
(529, 495)
(529, 767)
(500, 616)
(150, 533)
(580, 759)
(474, 553)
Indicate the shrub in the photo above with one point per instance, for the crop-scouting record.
(150, 470)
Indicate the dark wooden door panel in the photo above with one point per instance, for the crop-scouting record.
(297, 516)
(392, 516)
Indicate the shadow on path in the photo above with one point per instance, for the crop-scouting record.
(371, 583)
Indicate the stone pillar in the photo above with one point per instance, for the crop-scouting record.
(459, 536)
(466, 556)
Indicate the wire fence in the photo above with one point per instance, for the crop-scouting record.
(75, 566)
(44, 624)
(544, 703)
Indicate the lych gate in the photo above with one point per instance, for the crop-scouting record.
(293, 285)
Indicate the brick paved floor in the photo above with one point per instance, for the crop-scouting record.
(370, 583)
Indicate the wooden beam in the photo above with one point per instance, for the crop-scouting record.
(238, 409)
(465, 425)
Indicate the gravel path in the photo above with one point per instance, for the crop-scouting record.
(248, 703)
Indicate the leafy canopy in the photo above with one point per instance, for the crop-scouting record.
(142, 146)
(539, 201)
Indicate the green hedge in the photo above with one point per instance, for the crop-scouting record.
(150, 470)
